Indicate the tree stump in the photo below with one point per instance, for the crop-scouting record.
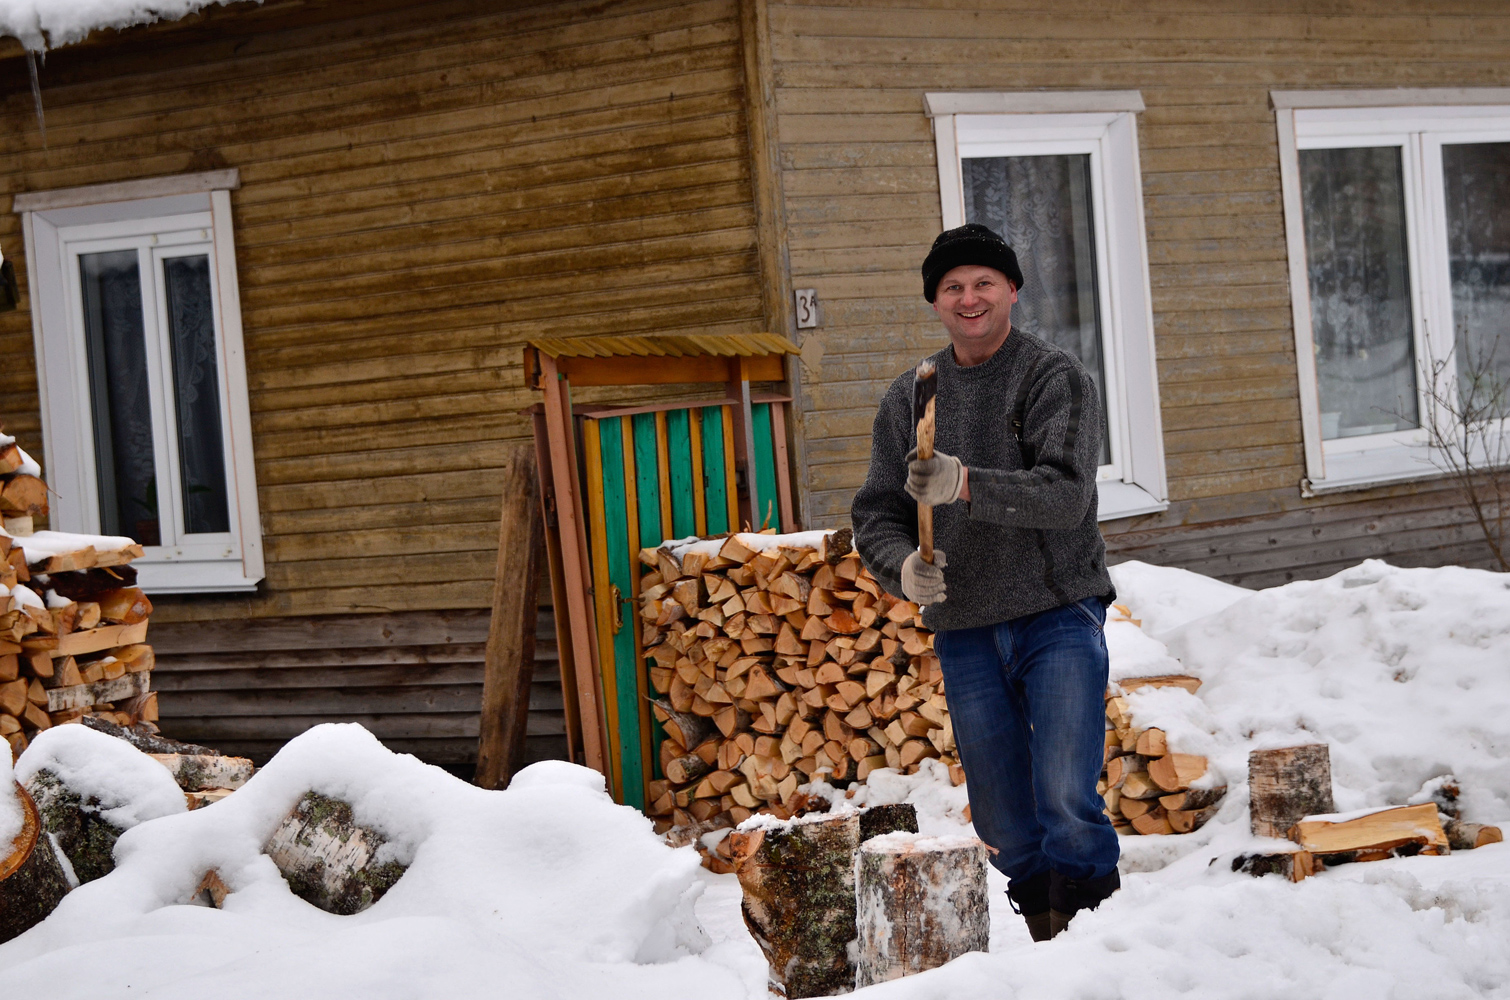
(1287, 785)
(32, 883)
(798, 879)
(919, 902)
(80, 832)
(329, 860)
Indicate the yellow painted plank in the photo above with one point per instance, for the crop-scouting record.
(596, 530)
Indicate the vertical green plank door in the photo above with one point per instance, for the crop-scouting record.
(627, 694)
(679, 455)
(767, 506)
(647, 479)
(714, 489)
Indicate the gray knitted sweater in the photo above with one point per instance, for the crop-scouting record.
(1027, 540)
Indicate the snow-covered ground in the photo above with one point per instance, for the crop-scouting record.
(549, 890)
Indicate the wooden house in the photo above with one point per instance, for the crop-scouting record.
(1255, 220)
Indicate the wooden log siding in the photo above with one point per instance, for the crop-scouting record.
(861, 203)
(413, 679)
(423, 187)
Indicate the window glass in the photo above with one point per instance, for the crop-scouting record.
(196, 388)
(1042, 206)
(119, 393)
(1354, 206)
(1477, 181)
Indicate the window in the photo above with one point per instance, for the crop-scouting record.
(137, 321)
(1057, 175)
(1397, 215)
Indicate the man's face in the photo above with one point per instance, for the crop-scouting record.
(974, 302)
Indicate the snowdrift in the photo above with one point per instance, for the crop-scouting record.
(550, 890)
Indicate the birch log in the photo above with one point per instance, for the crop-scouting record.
(80, 832)
(328, 859)
(1287, 785)
(798, 879)
(32, 883)
(920, 902)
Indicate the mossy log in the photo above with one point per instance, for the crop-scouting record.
(84, 837)
(32, 883)
(920, 902)
(146, 742)
(328, 859)
(880, 820)
(799, 901)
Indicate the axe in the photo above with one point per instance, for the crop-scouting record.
(925, 384)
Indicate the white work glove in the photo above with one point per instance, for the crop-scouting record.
(923, 583)
(934, 481)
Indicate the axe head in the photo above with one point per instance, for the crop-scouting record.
(925, 383)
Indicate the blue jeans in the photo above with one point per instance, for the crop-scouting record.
(1027, 698)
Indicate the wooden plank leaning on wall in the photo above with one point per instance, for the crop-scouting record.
(508, 665)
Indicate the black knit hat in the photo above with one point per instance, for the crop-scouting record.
(971, 243)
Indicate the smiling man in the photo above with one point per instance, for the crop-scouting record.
(1019, 601)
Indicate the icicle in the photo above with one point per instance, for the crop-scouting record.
(36, 93)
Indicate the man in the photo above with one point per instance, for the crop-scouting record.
(1019, 603)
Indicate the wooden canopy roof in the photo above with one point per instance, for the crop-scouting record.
(661, 359)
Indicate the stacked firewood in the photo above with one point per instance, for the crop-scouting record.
(775, 664)
(1147, 788)
(72, 622)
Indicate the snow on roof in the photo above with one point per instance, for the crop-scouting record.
(45, 24)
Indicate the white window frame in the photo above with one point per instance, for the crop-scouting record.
(159, 217)
(1104, 125)
(1419, 122)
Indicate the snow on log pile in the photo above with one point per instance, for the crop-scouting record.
(73, 625)
(777, 659)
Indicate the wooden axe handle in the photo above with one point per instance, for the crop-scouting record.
(925, 511)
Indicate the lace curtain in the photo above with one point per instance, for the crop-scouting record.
(1041, 205)
(1477, 181)
(1361, 320)
(196, 388)
(122, 407)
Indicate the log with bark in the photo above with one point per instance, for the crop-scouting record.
(1286, 785)
(798, 879)
(32, 880)
(84, 836)
(328, 859)
(920, 902)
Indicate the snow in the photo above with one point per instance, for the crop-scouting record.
(43, 24)
(754, 541)
(551, 888)
(12, 816)
(130, 787)
(21, 596)
(45, 544)
(29, 465)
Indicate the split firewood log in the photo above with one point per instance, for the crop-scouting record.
(1286, 785)
(328, 859)
(1192, 799)
(1467, 836)
(1176, 771)
(1379, 832)
(799, 900)
(32, 881)
(920, 902)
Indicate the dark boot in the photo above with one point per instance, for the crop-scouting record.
(1029, 897)
(1068, 896)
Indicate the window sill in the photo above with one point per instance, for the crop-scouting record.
(1116, 498)
(217, 576)
(1364, 468)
